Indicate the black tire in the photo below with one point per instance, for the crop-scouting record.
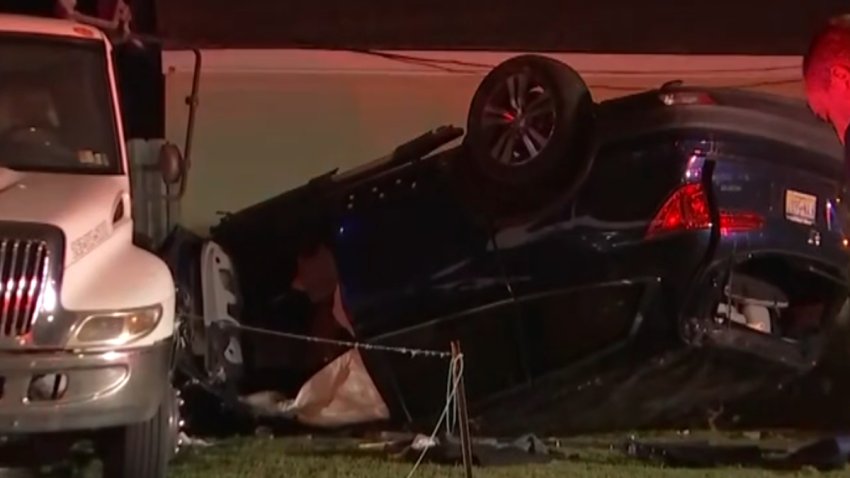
(143, 450)
(560, 109)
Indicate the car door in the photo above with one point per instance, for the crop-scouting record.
(577, 272)
(417, 270)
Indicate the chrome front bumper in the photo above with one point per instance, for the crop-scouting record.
(64, 391)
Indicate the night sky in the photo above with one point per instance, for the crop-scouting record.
(616, 26)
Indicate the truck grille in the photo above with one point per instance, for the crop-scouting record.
(23, 274)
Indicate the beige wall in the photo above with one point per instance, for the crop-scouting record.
(267, 126)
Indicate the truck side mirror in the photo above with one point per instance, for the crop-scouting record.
(171, 164)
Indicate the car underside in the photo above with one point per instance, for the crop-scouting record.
(630, 263)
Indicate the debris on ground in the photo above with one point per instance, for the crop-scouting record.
(831, 453)
(446, 449)
(268, 403)
(187, 441)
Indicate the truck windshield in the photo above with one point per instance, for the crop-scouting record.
(56, 106)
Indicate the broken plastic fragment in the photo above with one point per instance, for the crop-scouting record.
(421, 442)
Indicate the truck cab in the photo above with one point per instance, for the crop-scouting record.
(87, 317)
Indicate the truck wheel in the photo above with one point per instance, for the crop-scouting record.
(529, 137)
(143, 450)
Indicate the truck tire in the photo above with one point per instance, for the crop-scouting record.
(143, 450)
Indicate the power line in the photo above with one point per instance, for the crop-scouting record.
(428, 61)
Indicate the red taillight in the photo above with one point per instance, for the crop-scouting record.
(739, 221)
(687, 210)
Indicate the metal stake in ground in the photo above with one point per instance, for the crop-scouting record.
(460, 404)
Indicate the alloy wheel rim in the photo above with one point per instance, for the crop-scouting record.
(519, 120)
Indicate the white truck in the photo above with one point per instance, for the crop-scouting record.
(87, 317)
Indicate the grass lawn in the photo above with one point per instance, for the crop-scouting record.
(315, 458)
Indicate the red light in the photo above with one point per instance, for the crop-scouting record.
(83, 31)
(687, 210)
(739, 221)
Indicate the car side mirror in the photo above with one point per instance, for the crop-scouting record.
(171, 164)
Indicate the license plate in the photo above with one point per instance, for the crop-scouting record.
(800, 207)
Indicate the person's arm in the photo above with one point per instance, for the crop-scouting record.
(122, 14)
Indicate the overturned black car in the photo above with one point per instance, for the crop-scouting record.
(604, 265)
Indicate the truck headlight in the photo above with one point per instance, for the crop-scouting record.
(117, 328)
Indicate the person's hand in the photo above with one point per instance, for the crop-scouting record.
(124, 13)
(67, 8)
(123, 17)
